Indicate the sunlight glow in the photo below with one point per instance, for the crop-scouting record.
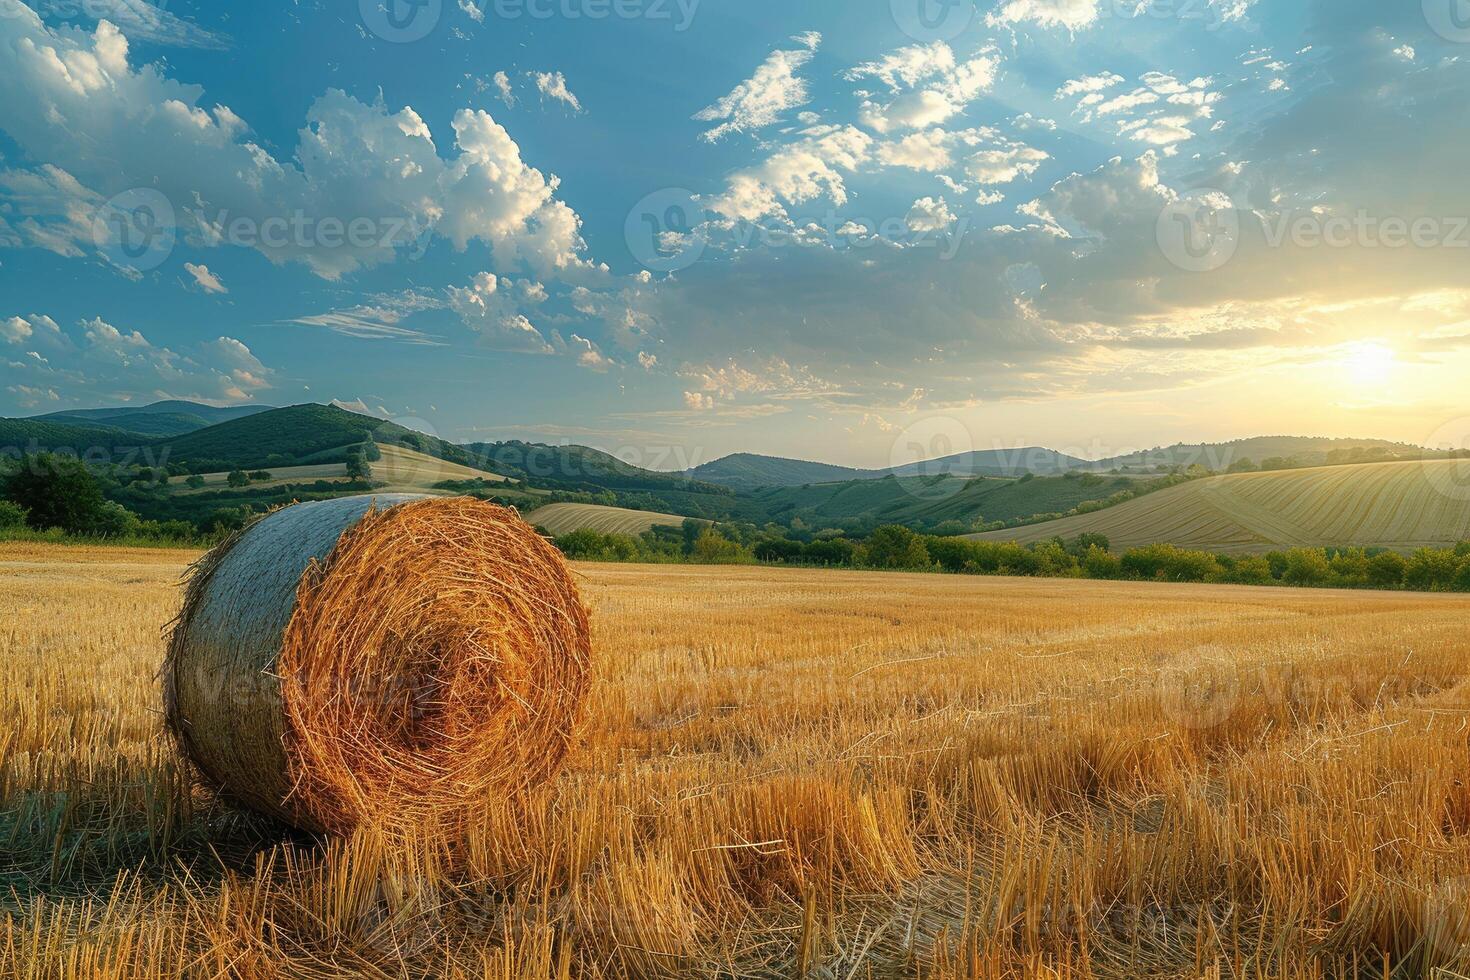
(1366, 364)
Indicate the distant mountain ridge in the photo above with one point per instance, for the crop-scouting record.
(748, 471)
(751, 471)
(1302, 450)
(165, 418)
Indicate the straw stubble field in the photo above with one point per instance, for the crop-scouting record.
(789, 773)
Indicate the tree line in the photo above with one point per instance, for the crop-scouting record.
(1089, 556)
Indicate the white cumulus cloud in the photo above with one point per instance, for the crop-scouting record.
(760, 100)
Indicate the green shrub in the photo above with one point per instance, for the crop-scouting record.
(58, 491)
(12, 515)
(897, 547)
(1099, 562)
(1168, 563)
(1306, 567)
(586, 544)
(1252, 570)
(1431, 570)
(713, 548)
(1386, 570)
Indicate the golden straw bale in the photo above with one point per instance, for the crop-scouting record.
(398, 659)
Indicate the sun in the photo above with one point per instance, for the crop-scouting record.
(1366, 364)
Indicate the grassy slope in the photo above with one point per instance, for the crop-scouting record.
(1307, 450)
(931, 500)
(565, 518)
(1399, 506)
(401, 468)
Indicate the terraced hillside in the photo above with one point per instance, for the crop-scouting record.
(404, 469)
(397, 470)
(566, 518)
(1398, 506)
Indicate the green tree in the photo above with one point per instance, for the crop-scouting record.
(895, 546)
(1307, 566)
(1386, 570)
(1099, 562)
(195, 482)
(1462, 577)
(1431, 569)
(238, 478)
(12, 515)
(58, 491)
(1087, 541)
(358, 468)
(713, 548)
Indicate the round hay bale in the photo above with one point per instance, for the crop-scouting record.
(389, 657)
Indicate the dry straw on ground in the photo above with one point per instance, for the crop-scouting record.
(385, 658)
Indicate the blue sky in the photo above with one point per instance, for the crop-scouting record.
(850, 231)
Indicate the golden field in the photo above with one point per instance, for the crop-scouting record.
(797, 773)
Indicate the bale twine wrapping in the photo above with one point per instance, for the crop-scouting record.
(386, 657)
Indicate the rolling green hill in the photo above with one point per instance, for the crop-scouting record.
(299, 434)
(1298, 450)
(1395, 506)
(929, 501)
(296, 433)
(307, 443)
